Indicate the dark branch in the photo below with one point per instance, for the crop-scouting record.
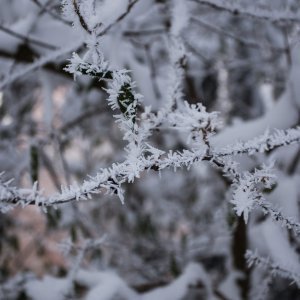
(81, 18)
(27, 39)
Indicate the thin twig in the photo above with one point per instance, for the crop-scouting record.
(48, 11)
(262, 14)
(244, 42)
(81, 118)
(120, 18)
(60, 52)
(27, 39)
(81, 18)
(40, 63)
(138, 33)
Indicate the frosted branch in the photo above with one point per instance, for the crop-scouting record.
(275, 269)
(110, 180)
(246, 193)
(263, 143)
(278, 216)
(253, 12)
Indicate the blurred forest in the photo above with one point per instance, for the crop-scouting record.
(91, 205)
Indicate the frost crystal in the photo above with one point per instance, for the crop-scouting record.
(246, 195)
(193, 117)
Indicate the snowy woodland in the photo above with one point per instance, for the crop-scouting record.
(149, 149)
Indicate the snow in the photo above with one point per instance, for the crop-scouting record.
(286, 196)
(48, 288)
(104, 286)
(281, 116)
(278, 246)
(229, 287)
(177, 290)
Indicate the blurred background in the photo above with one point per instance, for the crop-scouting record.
(242, 60)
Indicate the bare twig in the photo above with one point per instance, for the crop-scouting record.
(236, 9)
(44, 8)
(81, 18)
(244, 42)
(131, 33)
(27, 39)
(40, 63)
(60, 52)
(152, 71)
(120, 18)
(81, 118)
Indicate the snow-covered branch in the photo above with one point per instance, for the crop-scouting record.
(251, 11)
(274, 268)
(261, 144)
